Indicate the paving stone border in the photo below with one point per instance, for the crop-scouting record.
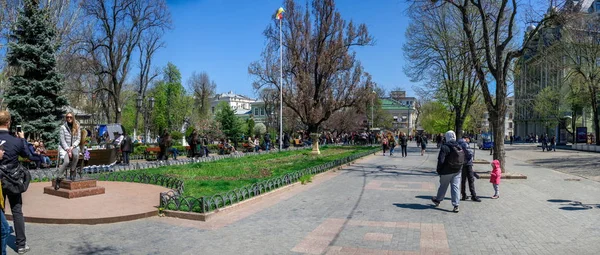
(174, 201)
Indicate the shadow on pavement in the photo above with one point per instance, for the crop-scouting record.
(571, 205)
(415, 206)
(421, 207)
(88, 248)
(429, 197)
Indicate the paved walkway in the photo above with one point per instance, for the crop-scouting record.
(122, 201)
(380, 205)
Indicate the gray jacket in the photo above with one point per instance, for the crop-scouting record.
(67, 139)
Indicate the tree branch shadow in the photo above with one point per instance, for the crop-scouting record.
(89, 248)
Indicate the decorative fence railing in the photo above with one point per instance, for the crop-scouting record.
(174, 200)
(174, 184)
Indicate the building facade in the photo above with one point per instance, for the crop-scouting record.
(544, 64)
(403, 112)
(241, 105)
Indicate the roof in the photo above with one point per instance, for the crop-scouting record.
(230, 94)
(77, 112)
(391, 104)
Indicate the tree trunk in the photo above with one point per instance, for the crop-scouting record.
(458, 124)
(595, 118)
(497, 122)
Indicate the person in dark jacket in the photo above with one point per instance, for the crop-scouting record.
(403, 144)
(286, 141)
(126, 147)
(164, 144)
(448, 175)
(467, 172)
(13, 148)
(267, 139)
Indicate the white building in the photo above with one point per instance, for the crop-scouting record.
(239, 103)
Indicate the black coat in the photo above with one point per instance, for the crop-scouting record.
(442, 166)
(13, 148)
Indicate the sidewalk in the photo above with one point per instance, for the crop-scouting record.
(380, 205)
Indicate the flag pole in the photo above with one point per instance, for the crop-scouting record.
(280, 87)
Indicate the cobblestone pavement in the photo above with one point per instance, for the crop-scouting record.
(379, 205)
(579, 163)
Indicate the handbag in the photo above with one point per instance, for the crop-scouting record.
(17, 181)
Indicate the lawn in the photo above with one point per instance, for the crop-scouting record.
(210, 178)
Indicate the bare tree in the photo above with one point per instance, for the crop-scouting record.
(204, 89)
(496, 39)
(148, 45)
(118, 27)
(439, 56)
(270, 98)
(322, 75)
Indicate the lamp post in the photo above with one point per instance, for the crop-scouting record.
(372, 106)
(146, 107)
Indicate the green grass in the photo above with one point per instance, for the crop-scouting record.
(210, 178)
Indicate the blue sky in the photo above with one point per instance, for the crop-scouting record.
(224, 37)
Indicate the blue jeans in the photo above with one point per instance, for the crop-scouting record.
(5, 231)
(267, 145)
(449, 179)
(175, 153)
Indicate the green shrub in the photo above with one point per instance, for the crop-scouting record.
(305, 179)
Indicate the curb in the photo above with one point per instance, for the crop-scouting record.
(91, 221)
(513, 176)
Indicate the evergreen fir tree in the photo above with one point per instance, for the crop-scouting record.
(35, 97)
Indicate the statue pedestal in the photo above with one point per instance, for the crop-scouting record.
(74, 189)
(315, 145)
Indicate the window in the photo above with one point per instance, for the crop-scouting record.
(510, 125)
(255, 111)
(262, 111)
(509, 102)
(510, 116)
(213, 109)
(597, 6)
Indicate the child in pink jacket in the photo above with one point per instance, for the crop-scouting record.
(495, 177)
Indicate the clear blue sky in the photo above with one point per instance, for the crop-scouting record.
(224, 37)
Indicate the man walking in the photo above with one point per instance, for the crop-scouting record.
(13, 148)
(467, 171)
(403, 144)
(450, 162)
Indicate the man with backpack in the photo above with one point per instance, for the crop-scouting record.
(450, 162)
(13, 148)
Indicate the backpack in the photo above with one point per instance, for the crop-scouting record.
(15, 179)
(456, 158)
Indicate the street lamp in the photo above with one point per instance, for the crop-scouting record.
(372, 106)
(145, 111)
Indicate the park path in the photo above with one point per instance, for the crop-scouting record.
(379, 205)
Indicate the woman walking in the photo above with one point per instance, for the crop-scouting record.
(423, 144)
(403, 144)
(69, 146)
(384, 145)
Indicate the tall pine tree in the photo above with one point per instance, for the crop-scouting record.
(35, 97)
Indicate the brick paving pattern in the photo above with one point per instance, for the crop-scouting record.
(379, 205)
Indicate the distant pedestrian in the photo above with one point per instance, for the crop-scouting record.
(511, 139)
(418, 139)
(267, 139)
(553, 143)
(545, 143)
(450, 163)
(403, 144)
(423, 144)
(126, 147)
(384, 145)
(495, 178)
(392, 143)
